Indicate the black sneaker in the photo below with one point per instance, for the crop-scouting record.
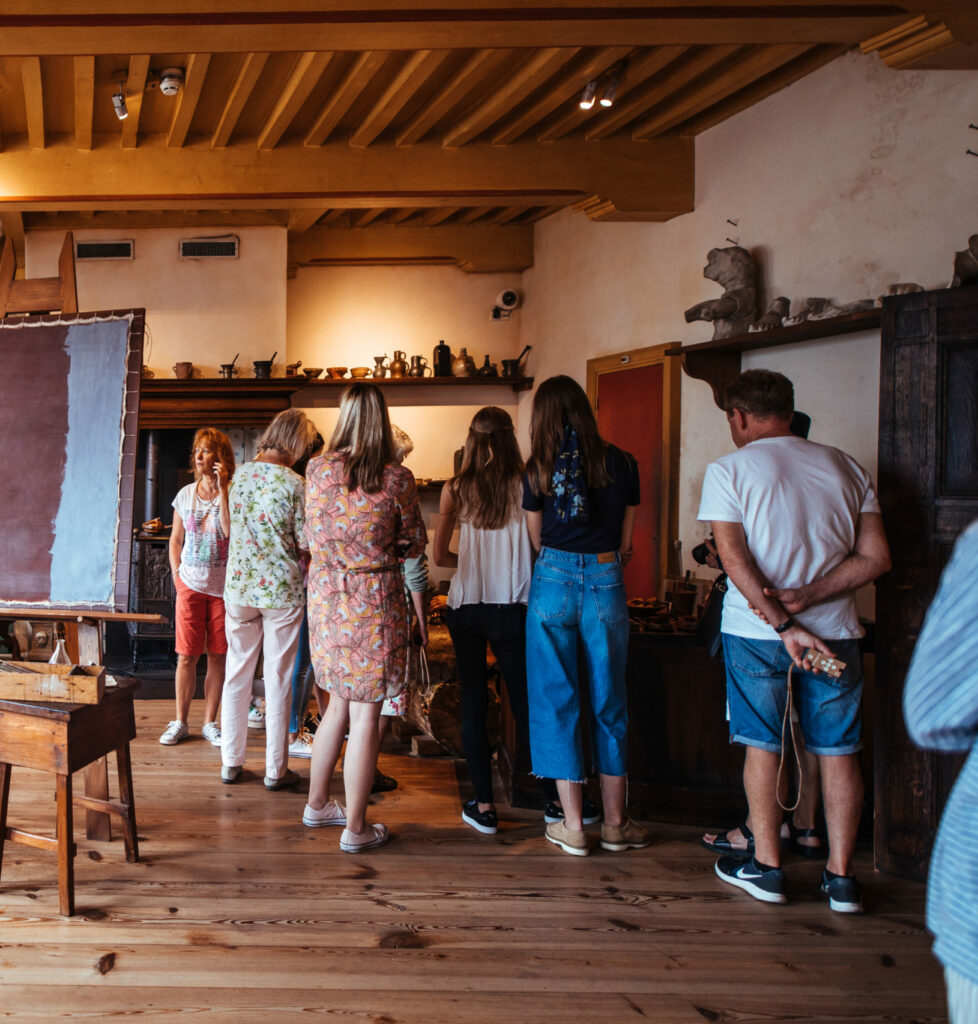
(844, 893)
(382, 783)
(767, 886)
(554, 812)
(483, 821)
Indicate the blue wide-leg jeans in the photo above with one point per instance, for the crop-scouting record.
(576, 600)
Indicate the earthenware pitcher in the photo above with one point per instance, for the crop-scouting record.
(379, 369)
(463, 365)
(419, 365)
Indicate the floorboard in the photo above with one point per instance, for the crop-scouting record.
(237, 913)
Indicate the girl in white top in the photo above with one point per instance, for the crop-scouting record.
(488, 594)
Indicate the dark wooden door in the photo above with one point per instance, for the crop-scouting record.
(928, 483)
(629, 413)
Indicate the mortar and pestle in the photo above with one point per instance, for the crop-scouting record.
(514, 367)
(263, 367)
(227, 369)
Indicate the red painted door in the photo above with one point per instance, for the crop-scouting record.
(630, 415)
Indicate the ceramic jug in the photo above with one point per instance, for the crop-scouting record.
(379, 369)
(463, 365)
(418, 366)
(399, 366)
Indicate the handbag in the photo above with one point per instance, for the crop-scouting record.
(708, 627)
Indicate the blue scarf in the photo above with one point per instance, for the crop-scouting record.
(568, 481)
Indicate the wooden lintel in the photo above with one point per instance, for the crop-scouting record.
(474, 248)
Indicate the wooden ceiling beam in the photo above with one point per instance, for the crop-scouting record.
(245, 81)
(507, 214)
(541, 212)
(437, 215)
(740, 72)
(639, 69)
(563, 92)
(135, 89)
(303, 220)
(652, 179)
(478, 248)
(305, 75)
(479, 66)
(398, 216)
(188, 99)
(30, 73)
(361, 220)
(415, 71)
(51, 27)
(529, 76)
(334, 215)
(84, 69)
(474, 214)
(673, 79)
(128, 220)
(344, 95)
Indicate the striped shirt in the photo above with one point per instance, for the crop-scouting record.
(940, 704)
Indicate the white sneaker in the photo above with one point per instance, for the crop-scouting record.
(174, 733)
(302, 745)
(211, 732)
(256, 714)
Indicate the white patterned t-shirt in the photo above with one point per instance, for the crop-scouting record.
(204, 558)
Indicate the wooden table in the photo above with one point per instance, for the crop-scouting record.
(65, 738)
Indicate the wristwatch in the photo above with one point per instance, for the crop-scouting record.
(785, 626)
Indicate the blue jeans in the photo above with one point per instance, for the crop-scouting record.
(302, 678)
(757, 690)
(576, 602)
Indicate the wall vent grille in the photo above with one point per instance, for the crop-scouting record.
(121, 249)
(225, 248)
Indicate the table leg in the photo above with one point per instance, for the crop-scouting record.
(127, 798)
(4, 799)
(97, 823)
(66, 848)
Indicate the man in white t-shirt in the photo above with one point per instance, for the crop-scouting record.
(798, 529)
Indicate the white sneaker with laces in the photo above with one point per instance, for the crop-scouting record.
(211, 732)
(256, 714)
(302, 745)
(174, 733)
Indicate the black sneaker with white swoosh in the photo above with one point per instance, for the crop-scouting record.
(767, 886)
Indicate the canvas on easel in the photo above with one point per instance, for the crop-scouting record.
(69, 407)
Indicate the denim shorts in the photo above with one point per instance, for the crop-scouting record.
(828, 709)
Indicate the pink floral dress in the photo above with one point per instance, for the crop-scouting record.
(358, 612)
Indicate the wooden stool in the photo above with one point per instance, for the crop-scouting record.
(65, 738)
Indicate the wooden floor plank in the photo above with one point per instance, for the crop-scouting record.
(236, 912)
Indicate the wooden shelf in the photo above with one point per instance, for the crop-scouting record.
(251, 402)
(718, 362)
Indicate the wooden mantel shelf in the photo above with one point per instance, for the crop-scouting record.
(252, 402)
(718, 362)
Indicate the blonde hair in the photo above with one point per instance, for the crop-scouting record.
(291, 433)
(363, 434)
(219, 444)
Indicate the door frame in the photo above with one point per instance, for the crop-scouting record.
(671, 428)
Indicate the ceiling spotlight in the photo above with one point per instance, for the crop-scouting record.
(610, 91)
(587, 97)
(119, 103)
(171, 79)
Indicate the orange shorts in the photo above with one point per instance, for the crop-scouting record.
(200, 622)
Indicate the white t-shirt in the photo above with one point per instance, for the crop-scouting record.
(204, 559)
(799, 503)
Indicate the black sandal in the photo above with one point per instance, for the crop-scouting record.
(811, 852)
(724, 847)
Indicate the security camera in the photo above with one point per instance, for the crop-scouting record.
(171, 79)
(508, 299)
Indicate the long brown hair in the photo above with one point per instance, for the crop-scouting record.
(219, 444)
(363, 435)
(486, 489)
(561, 402)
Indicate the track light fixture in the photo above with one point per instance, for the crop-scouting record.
(610, 91)
(119, 103)
(587, 97)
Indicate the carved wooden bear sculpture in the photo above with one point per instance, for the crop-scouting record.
(736, 309)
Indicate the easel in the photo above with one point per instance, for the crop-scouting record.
(84, 642)
(38, 294)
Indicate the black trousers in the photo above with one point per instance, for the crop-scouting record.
(472, 628)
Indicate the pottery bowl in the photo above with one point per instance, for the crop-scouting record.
(312, 371)
(336, 372)
(359, 372)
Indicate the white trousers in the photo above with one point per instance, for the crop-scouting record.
(962, 997)
(250, 631)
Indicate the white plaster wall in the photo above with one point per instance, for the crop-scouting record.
(203, 311)
(850, 180)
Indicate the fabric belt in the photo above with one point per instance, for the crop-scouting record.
(368, 568)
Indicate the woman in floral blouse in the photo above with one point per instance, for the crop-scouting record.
(363, 521)
(263, 593)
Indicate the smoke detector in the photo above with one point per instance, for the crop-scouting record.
(171, 80)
